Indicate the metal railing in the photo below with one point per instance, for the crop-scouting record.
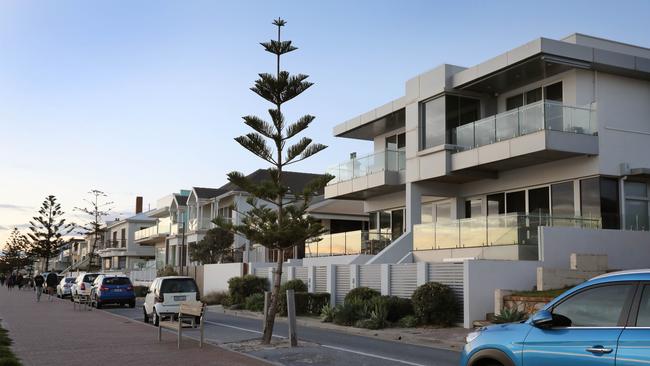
(388, 160)
(538, 116)
(348, 243)
(508, 229)
(115, 244)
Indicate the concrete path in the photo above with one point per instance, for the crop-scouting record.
(52, 333)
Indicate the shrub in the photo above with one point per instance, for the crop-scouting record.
(317, 301)
(327, 314)
(306, 303)
(140, 291)
(409, 321)
(215, 297)
(296, 285)
(255, 302)
(167, 271)
(398, 308)
(346, 314)
(301, 297)
(509, 315)
(361, 294)
(435, 304)
(242, 287)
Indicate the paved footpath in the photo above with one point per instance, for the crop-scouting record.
(52, 333)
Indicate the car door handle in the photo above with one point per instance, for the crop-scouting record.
(599, 350)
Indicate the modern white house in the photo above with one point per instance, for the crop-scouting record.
(120, 251)
(505, 166)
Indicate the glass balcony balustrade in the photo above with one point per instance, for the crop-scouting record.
(509, 229)
(163, 227)
(542, 115)
(348, 243)
(388, 160)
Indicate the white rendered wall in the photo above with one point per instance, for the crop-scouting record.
(216, 276)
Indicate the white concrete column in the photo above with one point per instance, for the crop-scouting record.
(385, 279)
(422, 273)
(291, 273)
(270, 275)
(331, 283)
(354, 276)
(413, 205)
(311, 279)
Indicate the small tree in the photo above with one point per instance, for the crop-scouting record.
(48, 230)
(16, 254)
(277, 219)
(214, 247)
(98, 208)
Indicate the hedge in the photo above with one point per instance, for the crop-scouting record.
(242, 287)
(435, 304)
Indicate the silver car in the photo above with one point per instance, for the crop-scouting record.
(64, 288)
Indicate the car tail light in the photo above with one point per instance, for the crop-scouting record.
(82, 287)
(129, 288)
(198, 296)
(160, 298)
(103, 288)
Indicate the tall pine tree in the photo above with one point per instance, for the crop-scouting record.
(277, 218)
(16, 254)
(96, 211)
(48, 230)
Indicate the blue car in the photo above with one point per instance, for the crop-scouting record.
(604, 321)
(112, 289)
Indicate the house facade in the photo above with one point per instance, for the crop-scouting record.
(478, 162)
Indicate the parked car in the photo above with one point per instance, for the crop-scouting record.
(82, 284)
(64, 287)
(165, 296)
(604, 321)
(112, 289)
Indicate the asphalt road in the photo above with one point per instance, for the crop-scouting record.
(332, 347)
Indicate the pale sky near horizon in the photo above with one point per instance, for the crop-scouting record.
(145, 97)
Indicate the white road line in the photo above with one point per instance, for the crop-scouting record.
(239, 328)
(372, 355)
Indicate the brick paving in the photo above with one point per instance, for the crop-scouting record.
(52, 333)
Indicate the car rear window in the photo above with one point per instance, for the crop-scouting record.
(117, 281)
(69, 280)
(177, 285)
(90, 278)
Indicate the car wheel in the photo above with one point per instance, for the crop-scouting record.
(98, 304)
(156, 318)
(132, 304)
(145, 317)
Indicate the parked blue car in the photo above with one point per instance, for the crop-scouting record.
(112, 289)
(604, 321)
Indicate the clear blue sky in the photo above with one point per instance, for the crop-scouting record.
(145, 97)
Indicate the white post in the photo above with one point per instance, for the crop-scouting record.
(331, 283)
(311, 279)
(422, 273)
(385, 279)
(291, 273)
(354, 276)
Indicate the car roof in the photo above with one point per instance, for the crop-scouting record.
(174, 277)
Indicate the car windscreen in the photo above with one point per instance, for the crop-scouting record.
(117, 281)
(90, 278)
(178, 285)
(70, 280)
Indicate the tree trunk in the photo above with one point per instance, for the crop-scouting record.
(47, 263)
(270, 316)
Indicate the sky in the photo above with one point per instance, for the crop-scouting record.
(145, 97)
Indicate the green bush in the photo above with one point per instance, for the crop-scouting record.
(215, 298)
(361, 294)
(327, 314)
(255, 302)
(317, 301)
(306, 303)
(347, 314)
(301, 297)
(409, 321)
(167, 271)
(510, 315)
(398, 308)
(435, 304)
(140, 291)
(242, 287)
(296, 285)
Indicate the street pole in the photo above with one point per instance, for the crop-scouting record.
(182, 248)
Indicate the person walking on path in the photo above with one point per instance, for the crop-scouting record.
(19, 281)
(38, 284)
(11, 282)
(51, 282)
(2, 279)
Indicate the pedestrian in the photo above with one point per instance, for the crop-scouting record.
(38, 282)
(19, 281)
(51, 281)
(11, 282)
(2, 279)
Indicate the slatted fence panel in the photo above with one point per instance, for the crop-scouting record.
(403, 279)
(321, 279)
(370, 276)
(342, 283)
(450, 274)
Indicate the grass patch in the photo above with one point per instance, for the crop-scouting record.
(7, 357)
(547, 293)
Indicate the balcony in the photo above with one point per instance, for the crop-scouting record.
(536, 133)
(348, 243)
(508, 229)
(202, 224)
(368, 175)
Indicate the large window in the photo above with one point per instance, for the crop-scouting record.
(432, 212)
(550, 92)
(538, 201)
(597, 307)
(562, 199)
(496, 204)
(439, 116)
(516, 202)
(396, 142)
(473, 208)
(599, 198)
(636, 206)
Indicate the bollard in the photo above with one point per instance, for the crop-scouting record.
(291, 316)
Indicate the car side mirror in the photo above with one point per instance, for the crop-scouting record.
(542, 319)
(148, 290)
